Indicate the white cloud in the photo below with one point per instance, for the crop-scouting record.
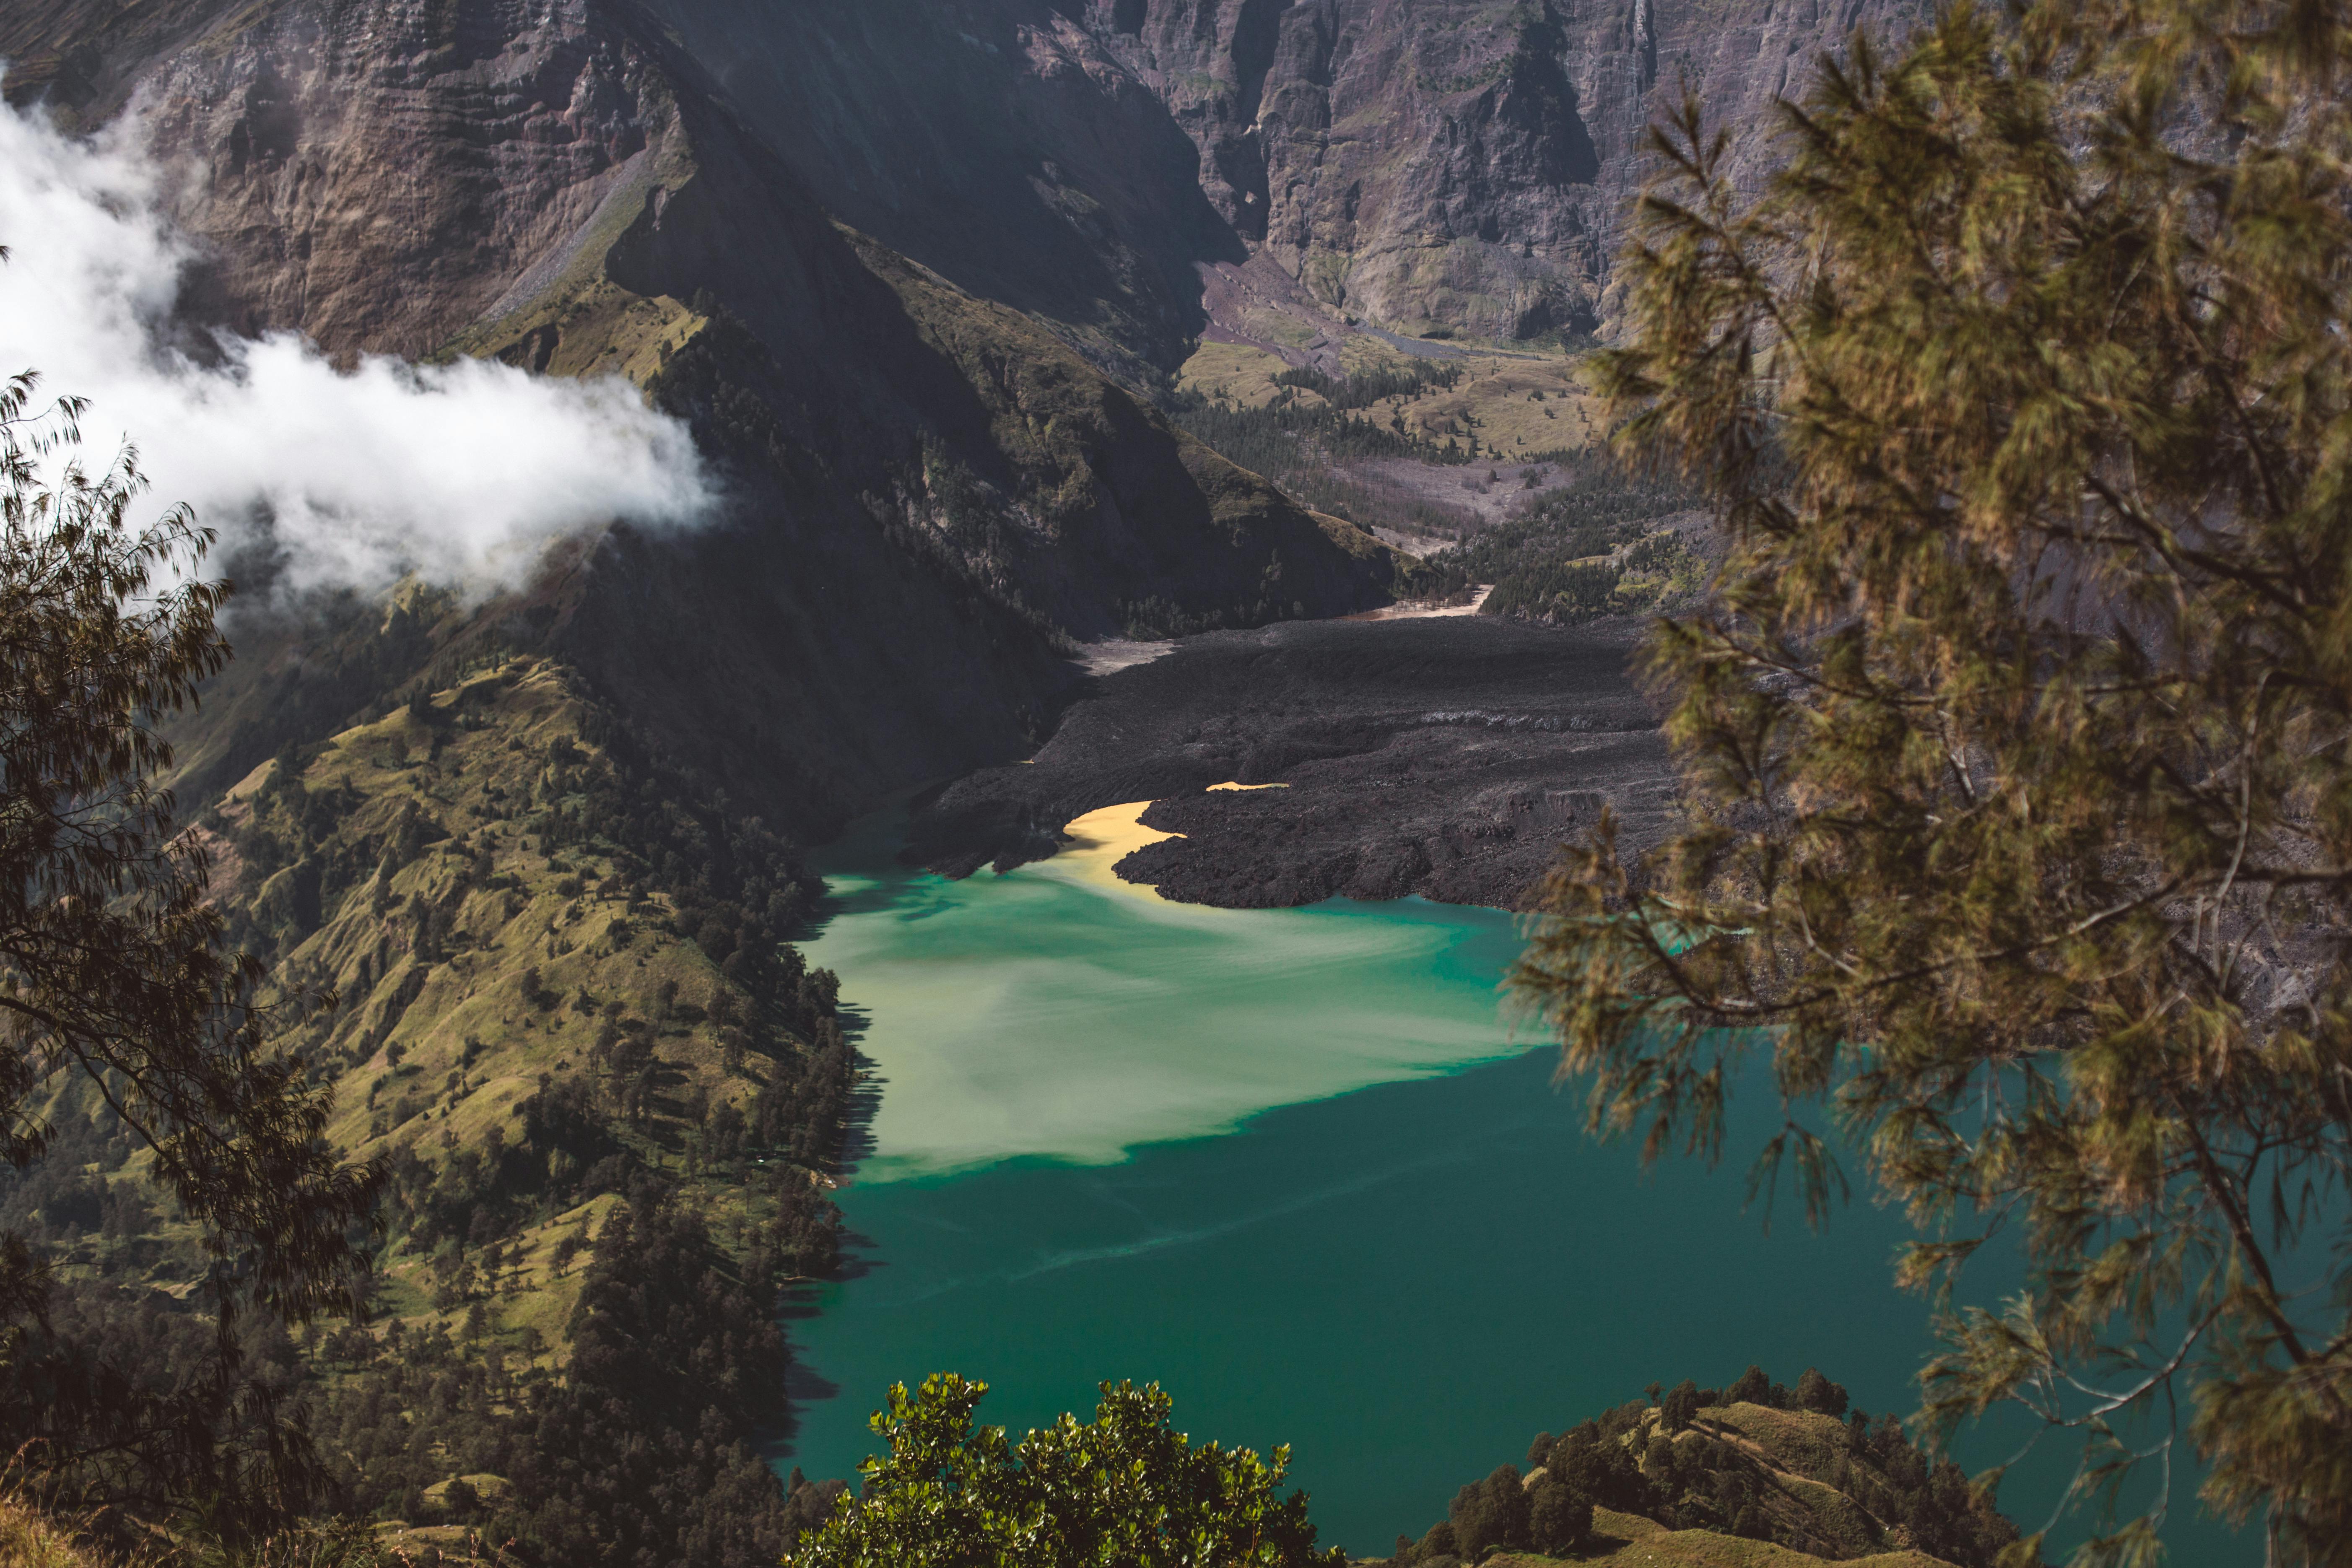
(461, 473)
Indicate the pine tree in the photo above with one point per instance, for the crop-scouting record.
(2014, 737)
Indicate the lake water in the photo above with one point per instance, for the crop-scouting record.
(1293, 1165)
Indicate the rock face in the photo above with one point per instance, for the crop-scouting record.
(882, 253)
(999, 143)
(1416, 163)
(1463, 163)
(931, 495)
(382, 178)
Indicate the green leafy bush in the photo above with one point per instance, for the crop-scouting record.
(1124, 1490)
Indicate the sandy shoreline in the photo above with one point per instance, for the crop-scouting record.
(1100, 840)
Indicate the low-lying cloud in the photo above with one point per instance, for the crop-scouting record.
(462, 474)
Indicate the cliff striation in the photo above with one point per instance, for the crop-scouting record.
(1125, 167)
(1461, 164)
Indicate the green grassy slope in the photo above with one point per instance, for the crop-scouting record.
(520, 922)
(569, 1025)
(1627, 1539)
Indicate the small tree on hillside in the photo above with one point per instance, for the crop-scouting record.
(114, 973)
(1560, 1517)
(1680, 1407)
(2016, 740)
(1819, 1394)
(1492, 1512)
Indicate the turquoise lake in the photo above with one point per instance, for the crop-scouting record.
(1294, 1166)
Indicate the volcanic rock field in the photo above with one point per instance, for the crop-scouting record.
(1446, 757)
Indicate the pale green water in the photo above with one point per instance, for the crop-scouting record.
(1291, 1164)
(1036, 1014)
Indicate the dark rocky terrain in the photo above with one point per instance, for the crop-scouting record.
(1446, 757)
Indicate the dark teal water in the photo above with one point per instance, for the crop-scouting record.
(1291, 1165)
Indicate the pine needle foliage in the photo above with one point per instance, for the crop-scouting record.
(2015, 738)
(116, 982)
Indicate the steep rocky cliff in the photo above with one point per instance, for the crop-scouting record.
(934, 484)
(870, 249)
(999, 142)
(1461, 165)
(931, 496)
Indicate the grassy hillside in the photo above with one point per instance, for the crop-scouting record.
(547, 976)
(1603, 543)
(1515, 407)
(1431, 450)
(1628, 1539)
(1752, 1476)
(523, 926)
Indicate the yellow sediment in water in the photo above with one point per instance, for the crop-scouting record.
(1102, 838)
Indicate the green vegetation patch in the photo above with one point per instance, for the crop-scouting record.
(1588, 547)
(596, 328)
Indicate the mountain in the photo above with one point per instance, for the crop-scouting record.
(1464, 164)
(539, 842)
(931, 495)
(921, 276)
(915, 270)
